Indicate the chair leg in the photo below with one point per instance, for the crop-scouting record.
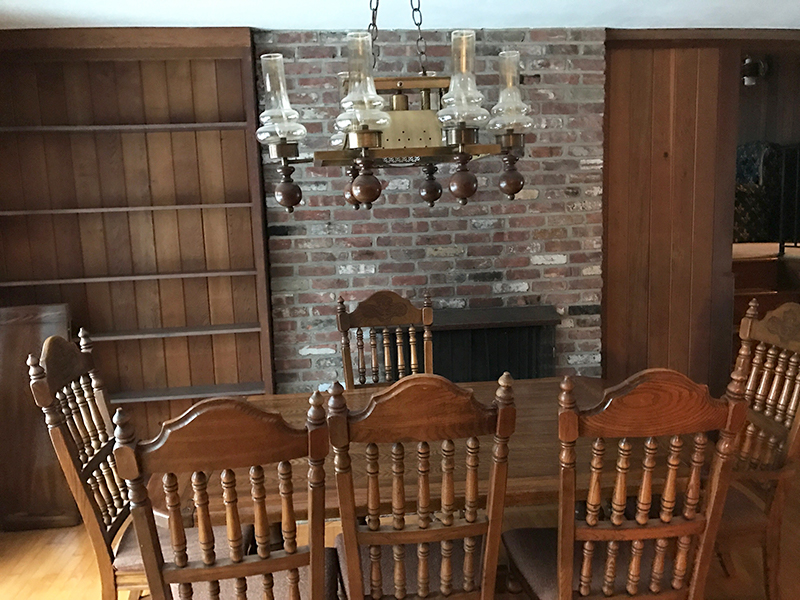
(771, 557)
(726, 562)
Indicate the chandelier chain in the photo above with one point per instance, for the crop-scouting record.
(422, 45)
(373, 30)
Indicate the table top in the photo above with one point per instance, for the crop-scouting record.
(533, 475)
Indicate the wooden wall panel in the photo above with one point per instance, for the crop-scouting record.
(121, 175)
(667, 260)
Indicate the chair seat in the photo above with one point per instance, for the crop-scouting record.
(129, 557)
(533, 552)
(434, 564)
(280, 590)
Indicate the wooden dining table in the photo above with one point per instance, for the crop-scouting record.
(533, 475)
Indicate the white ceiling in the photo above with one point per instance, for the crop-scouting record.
(394, 14)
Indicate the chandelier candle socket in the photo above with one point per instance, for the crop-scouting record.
(510, 122)
(280, 129)
(372, 134)
(363, 118)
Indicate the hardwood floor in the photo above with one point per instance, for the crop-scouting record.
(59, 563)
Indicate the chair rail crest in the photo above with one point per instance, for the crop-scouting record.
(654, 402)
(445, 411)
(63, 362)
(221, 425)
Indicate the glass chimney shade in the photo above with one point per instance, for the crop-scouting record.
(462, 103)
(510, 113)
(362, 105)
(279, 121)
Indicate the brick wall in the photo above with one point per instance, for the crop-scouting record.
(543, 247)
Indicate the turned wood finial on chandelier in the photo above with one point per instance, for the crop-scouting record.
(411, 132)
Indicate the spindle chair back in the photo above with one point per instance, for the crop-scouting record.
(422, 409)
(217, 436)
(769, 445)
(68, 389)
(650, 406)
(393, 327)
(770, 437)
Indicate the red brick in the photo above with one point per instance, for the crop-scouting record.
(511, 236)
(394, 240)
(409, 280)
(485, 302)
(315, 298)
(474, 290)
(484, 250)
(316, 270)
(361, 228)
(328, 284)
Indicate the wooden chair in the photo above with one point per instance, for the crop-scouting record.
(390, 316)
(597, 552)
(421, 409)
(67, 388)
(220, 435)
(769, 446)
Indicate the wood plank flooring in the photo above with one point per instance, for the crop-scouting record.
(59, 563)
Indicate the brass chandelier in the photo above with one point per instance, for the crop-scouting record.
(431, 120)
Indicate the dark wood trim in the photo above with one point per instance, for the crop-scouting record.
(252, 388)
(110, 278)
(168, 332)
(125, 128)
(722, 293)
(121, 209)
(259, 219)
(137, 39)
(702, 35)
(491, 318)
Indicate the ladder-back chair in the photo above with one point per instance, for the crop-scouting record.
(597, 552)
(412, 554)
(397, 322)
(769, 444)
(212, 438)
(69, 391)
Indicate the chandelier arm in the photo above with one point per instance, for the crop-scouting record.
(422, 45)
(373, 30)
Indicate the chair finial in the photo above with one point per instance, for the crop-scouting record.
(752, 309)
(565, 399)
(35, 370)
(340, 307)
(504, 394)
(427, 303)
(85, 340)
(123, 432)
(336, 402)
(316, 410)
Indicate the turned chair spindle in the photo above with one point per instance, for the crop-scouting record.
(651, 406)
(397, 321)
(190, 445)
(421, 409)
(70, 393)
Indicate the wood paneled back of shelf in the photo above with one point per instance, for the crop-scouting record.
(131, 186)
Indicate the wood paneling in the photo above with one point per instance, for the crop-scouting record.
(132, 192)
(668, 206)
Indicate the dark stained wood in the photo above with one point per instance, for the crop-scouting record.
(34, 493)
(769, 445)
(451, 413)
(68, 389)
(489, 318)
(628, 413)
(200, 441)
(668, 195)
(397, 320)
(132, 192)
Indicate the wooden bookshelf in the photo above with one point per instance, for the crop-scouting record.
(132, 192)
